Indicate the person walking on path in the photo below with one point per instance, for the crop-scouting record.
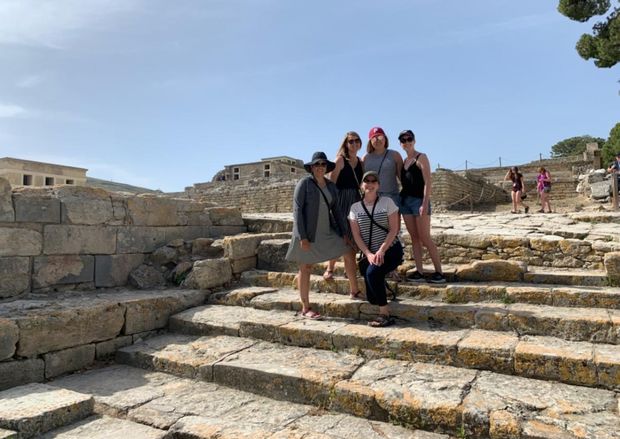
(543, 186)
(375, 223)
(518, 189)
(317, 226)
(384, 162)
(415, 206)
(347, 175)
(614, 168)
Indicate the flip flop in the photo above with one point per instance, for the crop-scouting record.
(310, 314)
(328, 275)
(381, 321)
(356, 296)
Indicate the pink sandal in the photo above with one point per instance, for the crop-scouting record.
(328, 275)
(310, 314)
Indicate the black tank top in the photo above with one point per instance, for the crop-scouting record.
(346, 178)
(412, 180)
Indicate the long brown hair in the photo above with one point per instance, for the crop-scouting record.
(343, 150)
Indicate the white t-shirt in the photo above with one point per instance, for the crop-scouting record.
(385, 207)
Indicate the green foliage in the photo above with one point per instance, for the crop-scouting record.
(574, 145)
(604, 44)
(612, 146)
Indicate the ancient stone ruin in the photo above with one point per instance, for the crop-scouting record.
(158, 317)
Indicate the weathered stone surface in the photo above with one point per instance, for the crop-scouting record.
(14, 276)
(271, 255)
(545, 243)
(492, 270)
(612, 267)
(607, 362)
(149, 210)
(8, 434)
(84, 205)
(37, 408)
(205, 247)
(16, 373)
(65, 269)
(136, 239)
(239, 296)
(113, 270)
(241, 246)
(164, 255)
(225, 216)
(109, 347)
(210, 273)
(487, 350)
(68, 360)
(151, 310)
(7, 213)
(65, 239)
(36, 206)
(466, 240)
(221, 231)
(600, 190)
(9, 335)
(241, 265)
(20, 242)
(105, 428)
(145, 276)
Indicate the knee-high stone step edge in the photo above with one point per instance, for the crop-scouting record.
(444, 399)
(125, 402)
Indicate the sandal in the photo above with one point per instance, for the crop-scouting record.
(356, 296)
(328, 275)
(310, 314)
(381, 321)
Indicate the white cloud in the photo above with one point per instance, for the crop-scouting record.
(51, 23)
(9, 111)
(29, 81)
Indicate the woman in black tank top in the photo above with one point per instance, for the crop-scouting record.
(347, 175)
(415, 207)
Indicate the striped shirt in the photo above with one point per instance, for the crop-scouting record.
(385, 207)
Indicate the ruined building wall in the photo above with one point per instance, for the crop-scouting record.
(80, 237)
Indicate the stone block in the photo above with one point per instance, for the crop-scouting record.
(66, 239)
(271, 255)
(113, 270)
(192, 213)
(36, 206)
(207, 247)
(220, 231)
(9, 335)
(8, 434)
(145, 276)
(108, 348)
(241, 265)
(60, 270)
(7, 213)
(186, 233)
(16, 373)
(60, 328)
(210, 273)
(492, 270)
(37, 408)
(466, 239)
(612, 267)
(133, 239)
(148, 210)
(164, 255)
(84, 205)
(20, 242)
(14, 276)
(225, 216)
(547, 243)
(107, 427)
(68, 360)
(600, 190)
(242, 246)
(119, 209)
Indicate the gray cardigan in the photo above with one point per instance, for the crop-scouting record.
(306, 208)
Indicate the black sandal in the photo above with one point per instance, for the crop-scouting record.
(381, 321)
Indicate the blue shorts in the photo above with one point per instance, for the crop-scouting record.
(394, 196)
(411, 206)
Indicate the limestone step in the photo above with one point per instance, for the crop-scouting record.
(460, 292)
(445, 399)
(33, 409)
(136, 403)
(545, 357)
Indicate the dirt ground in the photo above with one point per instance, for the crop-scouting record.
(566, 205)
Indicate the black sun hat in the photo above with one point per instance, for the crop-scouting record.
(319, 156)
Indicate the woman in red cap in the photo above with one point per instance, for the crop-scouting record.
(384, 162)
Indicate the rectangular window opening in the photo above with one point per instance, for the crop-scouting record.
(27, 180)
(266, 174)
(49, 181)
(70, 181)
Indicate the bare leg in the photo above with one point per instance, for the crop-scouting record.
(303, 283)
(415, 242)
(515, 208)
(351, 269)
(423, 233)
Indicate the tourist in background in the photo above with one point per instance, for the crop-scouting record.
(518, 189)
(317, 226)
(347, 175)
(375, 223)
(614, 168)
(543, 186)
(384, 162)
(415, 207)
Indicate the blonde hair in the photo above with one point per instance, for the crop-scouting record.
(343, 150)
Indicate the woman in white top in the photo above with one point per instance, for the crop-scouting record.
(375, 223)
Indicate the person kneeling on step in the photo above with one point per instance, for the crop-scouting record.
(375, 224)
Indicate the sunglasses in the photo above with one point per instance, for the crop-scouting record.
(321, 164)
(370, 180)
(353, 141)
(379, 137)
(406, 139)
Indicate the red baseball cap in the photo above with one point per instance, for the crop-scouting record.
(375, 131)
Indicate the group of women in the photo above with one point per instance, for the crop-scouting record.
(355, 204)
(518, 194)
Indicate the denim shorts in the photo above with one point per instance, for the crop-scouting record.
(411, 206)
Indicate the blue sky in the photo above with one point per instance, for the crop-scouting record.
(163, 94)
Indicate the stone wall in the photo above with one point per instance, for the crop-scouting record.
(71, 237)
(453, 191)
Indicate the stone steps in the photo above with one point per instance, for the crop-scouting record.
(137, 403)
(445, 399)
(460, 292)
(544, 357)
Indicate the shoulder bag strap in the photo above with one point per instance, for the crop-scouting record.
(372, 216)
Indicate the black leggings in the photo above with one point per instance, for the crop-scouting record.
(374, 275)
